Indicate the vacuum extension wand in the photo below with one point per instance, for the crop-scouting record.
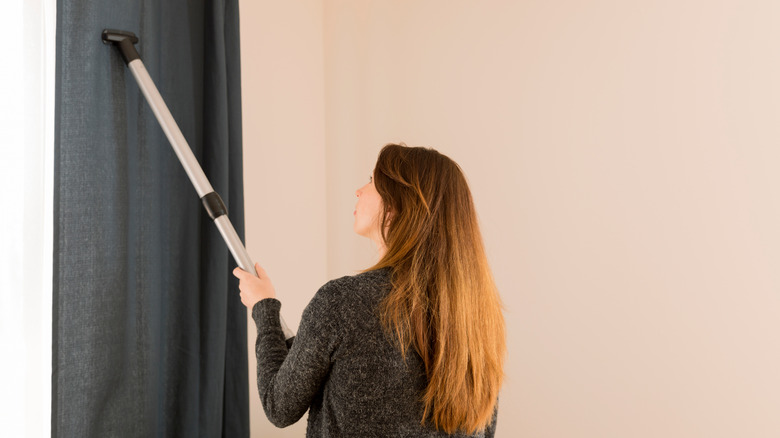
(125, 42)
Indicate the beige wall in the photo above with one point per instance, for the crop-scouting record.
(623, 158)
(284, 161)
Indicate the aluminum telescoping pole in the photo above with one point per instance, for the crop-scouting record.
(212, 202)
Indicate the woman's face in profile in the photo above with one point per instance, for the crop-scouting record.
(367, 211)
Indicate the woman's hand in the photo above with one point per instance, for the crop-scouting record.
(254, 289)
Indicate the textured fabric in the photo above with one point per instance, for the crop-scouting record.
(149, 334)
(341, 366)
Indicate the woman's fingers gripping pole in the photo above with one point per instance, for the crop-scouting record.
(254, 289)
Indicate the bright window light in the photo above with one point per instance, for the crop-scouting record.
(27, 28)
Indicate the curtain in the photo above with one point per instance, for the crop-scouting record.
(149, 334)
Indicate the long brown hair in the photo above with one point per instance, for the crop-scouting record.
(443, 301)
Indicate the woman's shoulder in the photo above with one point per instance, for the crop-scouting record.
(340, 296)
(377, 278)
(345, 290)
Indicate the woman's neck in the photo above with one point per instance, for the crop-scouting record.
(381, 249)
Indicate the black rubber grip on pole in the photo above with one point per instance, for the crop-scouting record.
(124, 41)
(214, 205)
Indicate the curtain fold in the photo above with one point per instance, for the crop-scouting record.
(149, 334)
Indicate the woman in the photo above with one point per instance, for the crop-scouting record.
(411, 347)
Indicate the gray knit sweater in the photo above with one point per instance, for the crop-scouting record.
(341, 366)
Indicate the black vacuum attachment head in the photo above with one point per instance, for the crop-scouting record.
(124, 41)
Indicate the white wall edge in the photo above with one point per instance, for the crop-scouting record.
(49, 90)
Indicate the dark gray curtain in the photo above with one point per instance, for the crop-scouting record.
(149, 332)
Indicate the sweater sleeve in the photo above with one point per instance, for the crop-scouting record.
(289, 379)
